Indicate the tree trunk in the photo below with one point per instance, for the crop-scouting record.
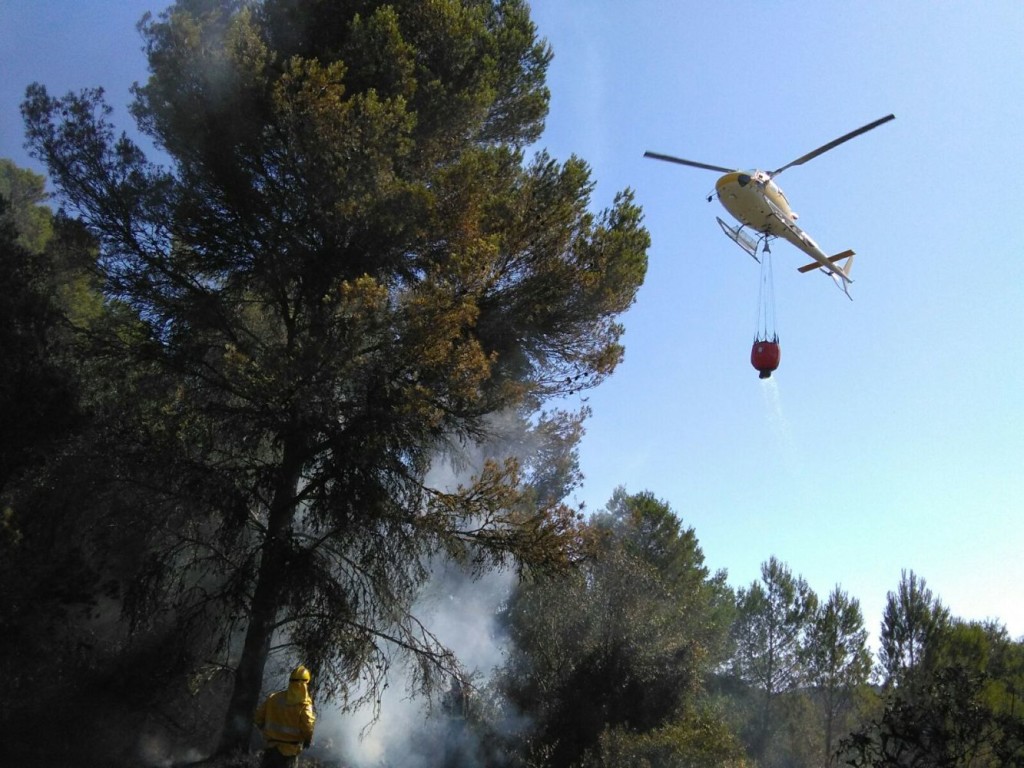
(263, 612)
(829, 724)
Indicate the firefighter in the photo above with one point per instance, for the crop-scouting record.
(286, 721)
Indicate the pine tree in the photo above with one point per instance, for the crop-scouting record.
(346, 267)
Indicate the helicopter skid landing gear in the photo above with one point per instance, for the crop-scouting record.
(741, 238)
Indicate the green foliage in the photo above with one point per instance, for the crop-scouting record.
(959, 708)
(773, 615)
(25, 193)
(347, 269)
(624, 642)
(838, 663)
(33, 390)
(698, 740)
(768, 670)
(911, 621)
(63, 544)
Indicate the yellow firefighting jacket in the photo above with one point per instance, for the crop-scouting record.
(286, 719)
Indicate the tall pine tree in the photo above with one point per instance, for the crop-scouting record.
(347, 266)
(773, 616)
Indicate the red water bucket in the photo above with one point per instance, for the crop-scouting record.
(765, 357)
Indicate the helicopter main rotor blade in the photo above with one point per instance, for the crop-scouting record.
(705, 166)
(833, 144)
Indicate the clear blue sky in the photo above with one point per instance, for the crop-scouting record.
(892, 436)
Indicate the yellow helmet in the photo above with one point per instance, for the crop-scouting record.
(299, 675)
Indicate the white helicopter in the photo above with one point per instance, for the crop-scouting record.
(755, 200)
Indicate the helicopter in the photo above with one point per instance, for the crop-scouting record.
(756, 202)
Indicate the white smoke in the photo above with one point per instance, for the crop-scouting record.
(158, 751)
(411, 732)
(408, 732)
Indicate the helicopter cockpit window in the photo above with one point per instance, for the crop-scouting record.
(743, 179)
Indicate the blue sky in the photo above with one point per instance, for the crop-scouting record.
(892, 435)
